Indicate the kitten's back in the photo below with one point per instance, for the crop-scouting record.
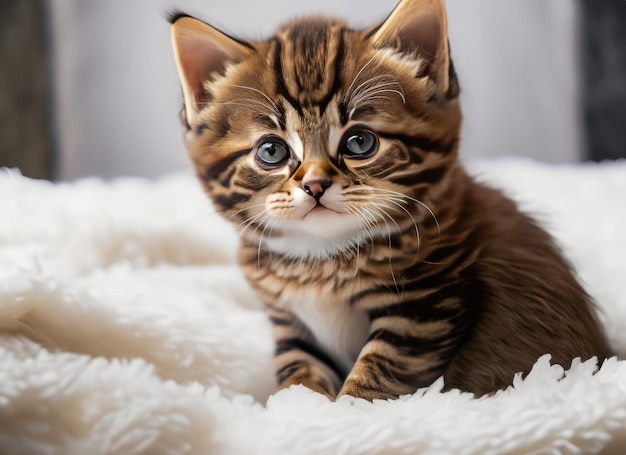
(531, 303)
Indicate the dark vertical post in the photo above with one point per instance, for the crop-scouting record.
(603, 36)
(25, 133)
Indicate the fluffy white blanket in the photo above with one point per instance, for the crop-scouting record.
(126, 328)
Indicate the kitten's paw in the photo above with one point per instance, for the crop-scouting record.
(324, 388)
(357, 391)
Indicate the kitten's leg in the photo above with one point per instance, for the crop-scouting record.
(297, 358)
(400, 356)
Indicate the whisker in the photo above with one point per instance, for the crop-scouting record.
(370, 91)
(390, 243)
(417, 231)
(391, 197)
(399, 197)
(358, 75)
(380, 88)
(267, 226)
(272, 103)
(253, 220)
(417, 201)
(382, 208)
(246, 102)
(371, 80)
(244, 209)
(365, 223)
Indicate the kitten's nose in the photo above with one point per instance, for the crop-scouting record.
(316, 187)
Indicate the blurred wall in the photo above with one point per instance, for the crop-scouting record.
(118, 95)
(604, 78)
(25, 132)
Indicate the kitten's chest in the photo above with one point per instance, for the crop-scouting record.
(339, 328)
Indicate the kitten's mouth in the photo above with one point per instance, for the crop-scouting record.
(320, 210)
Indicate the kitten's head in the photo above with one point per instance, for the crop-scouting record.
(322, 137)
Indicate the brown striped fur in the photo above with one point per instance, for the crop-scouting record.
(382, 264)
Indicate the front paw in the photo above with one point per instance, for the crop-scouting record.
(367, 392)
(319, 386)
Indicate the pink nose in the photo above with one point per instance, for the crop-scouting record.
(316, 187)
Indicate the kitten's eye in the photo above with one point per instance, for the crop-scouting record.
(272, 152)
(360, 143)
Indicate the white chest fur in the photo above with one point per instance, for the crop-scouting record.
(340, 329)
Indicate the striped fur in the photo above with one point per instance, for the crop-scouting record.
(382, 264)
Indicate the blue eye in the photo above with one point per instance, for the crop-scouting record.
(360, 143)
(272, 152)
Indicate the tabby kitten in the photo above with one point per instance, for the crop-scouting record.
(382, 264)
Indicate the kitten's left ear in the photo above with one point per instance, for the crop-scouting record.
(418, 27)
(202, 51)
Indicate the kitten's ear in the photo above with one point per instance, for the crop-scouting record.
(201, 51)
(418, 27)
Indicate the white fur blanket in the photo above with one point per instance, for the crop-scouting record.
(126, 328)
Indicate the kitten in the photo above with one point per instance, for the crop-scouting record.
(382, 264)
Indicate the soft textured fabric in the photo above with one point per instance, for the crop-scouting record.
(127, 328)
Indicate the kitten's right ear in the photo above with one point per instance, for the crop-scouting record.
(201, 52)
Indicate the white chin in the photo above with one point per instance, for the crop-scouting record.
(320, 234)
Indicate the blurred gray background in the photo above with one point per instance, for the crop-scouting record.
(113, 94)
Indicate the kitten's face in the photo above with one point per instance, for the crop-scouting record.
(322, 138)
